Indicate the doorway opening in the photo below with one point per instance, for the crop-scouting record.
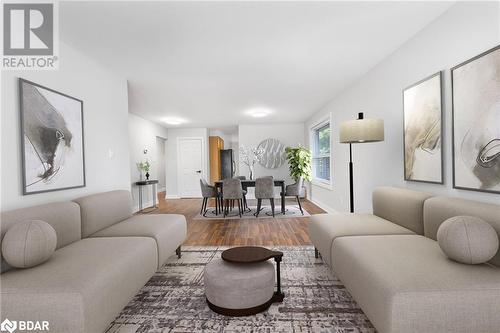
(161, 158)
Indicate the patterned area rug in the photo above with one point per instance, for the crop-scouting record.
(173, 300)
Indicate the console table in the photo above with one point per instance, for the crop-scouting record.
(141, 184)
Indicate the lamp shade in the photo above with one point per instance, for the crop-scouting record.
(362, 130)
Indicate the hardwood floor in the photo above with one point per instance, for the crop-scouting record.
(247, 231)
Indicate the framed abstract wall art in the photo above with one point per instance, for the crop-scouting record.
(422, 117)
(476, 123)
(51, 139)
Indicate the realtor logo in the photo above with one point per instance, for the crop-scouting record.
(28, 29)
(8, 326)
(24, 325)
(30, 35)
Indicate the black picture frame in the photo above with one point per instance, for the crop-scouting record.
(453, 69)
(441, 129)
(21, 82)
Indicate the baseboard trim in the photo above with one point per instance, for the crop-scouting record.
(172, 196)
(323, 206)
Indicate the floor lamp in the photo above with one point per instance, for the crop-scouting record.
(359, 131)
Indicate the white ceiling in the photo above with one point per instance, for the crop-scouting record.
(208, 62)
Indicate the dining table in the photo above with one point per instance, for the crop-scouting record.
(246, 183)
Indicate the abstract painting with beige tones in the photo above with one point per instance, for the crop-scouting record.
(476, 123)
(422, 130)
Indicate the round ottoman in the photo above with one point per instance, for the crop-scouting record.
(239, 289)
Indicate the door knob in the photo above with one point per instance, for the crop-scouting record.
(198, 171)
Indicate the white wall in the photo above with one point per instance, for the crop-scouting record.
(105, 111)
(173, 135)
(161, 168)
(143, 135)
(464, 31)
(251, 135)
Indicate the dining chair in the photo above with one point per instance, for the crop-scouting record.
(208, 191)
(231, 192)
(264, 189)
(245, 204)
(296, 190)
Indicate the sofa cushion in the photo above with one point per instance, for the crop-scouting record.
(401, 206)
(324, 228)
(168, 230)
(29, 243)
(102, 210)
(467, 239)
(439, 209)
(84, 286)
(405, 283)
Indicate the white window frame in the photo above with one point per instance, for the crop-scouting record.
(328, 184)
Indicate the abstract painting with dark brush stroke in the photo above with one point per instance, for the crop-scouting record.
(53, 140)
(422, 130)
(476, 123)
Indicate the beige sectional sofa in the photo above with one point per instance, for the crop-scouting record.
(393, 267)
(104, 255)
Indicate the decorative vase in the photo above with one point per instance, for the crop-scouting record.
(147, 175)
(251, 172)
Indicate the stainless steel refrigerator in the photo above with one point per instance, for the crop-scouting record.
(228, 166)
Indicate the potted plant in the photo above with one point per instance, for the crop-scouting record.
(299, 161)
(145, 167)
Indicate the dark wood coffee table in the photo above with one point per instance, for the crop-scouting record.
(254, 254)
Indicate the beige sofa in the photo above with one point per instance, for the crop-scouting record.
(104, 256)
(393, 267)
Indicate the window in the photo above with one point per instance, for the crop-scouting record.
(321, 153)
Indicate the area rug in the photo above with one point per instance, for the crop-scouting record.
(265, 213)
(173, 300)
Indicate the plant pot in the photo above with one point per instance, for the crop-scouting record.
(147, 175)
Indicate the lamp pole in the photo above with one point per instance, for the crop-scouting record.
(351, 187)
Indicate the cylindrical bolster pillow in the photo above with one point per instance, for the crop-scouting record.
(468, 239)
(29, 243)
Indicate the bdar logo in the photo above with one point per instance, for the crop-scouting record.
(8, 326)
(28, 29)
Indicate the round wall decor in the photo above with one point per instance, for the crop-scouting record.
(274, 153)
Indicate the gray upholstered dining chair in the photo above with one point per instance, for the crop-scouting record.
(296, 190)
(264, 189)
(245, 204)
(207, 192)
(232, 191)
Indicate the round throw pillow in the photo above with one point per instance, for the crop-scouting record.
(468, 239)
(29, 243)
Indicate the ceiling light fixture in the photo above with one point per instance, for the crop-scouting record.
(258, 112)
(174, 121)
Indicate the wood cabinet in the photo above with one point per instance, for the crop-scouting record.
(215, 145)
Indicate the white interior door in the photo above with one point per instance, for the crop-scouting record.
(190, 166)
